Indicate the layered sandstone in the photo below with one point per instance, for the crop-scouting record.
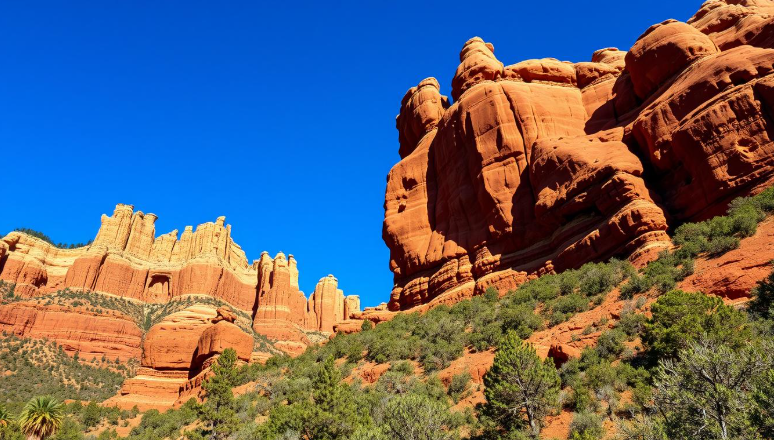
(89, 333)
(128, 260)
(179, 349)
(544, 165)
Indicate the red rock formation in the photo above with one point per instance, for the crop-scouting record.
(544, 165)
(89, 333)
(328, 303)
(172, 343)
(219, 337)
(127, 260)
(178, 349)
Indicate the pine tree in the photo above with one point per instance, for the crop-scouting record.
(91, 415)
(520, 387)
(763, 414)
(705, 393)
(219, 410)
(762, 304)
(335, 414)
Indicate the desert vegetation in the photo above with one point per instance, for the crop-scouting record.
(674, 364)
(47, 239)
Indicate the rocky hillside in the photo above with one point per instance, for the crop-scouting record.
(544, 165)
(611, 336)
(574, 247)
(169, 302)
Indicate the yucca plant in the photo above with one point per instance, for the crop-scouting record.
(41, 417)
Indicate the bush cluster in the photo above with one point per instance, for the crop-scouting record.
(47, 239)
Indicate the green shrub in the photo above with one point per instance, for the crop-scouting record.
(586, 425)
(632, 323)
(679, 318)
(458, 385)
(610, 343)
(569, 304)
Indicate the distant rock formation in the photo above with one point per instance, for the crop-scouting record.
(544, 165)
(127, 260)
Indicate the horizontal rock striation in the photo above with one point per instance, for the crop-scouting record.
(127, 260)
(545, 165)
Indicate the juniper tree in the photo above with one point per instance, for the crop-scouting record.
(219, 409)
(520, 388)
(707, 392)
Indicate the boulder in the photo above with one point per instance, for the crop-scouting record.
(221, 336)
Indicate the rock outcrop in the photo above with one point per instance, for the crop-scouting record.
(128, 261)
(90, 333)
(545, 165)
(180, 349)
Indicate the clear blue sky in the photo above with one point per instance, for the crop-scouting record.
(280, 116)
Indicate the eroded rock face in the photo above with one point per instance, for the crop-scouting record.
(78, 330)
(127, 260)
(544, 165)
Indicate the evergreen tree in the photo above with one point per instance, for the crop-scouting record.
(417, 416)
(335, 413)
(520, 387)
(762, 304)
(680, 318)
(91, 415)
(328, 412)
(219, 409)
(705, 393)
(763, 414)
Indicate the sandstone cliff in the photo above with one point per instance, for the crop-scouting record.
(544, 165)
(127, 260)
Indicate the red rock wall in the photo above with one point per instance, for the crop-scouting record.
(127, 260)
(545, 165)
(77, 330)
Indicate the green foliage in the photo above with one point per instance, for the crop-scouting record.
(418, 417)
(70, 430)
(91, 415)
(47, 239)
(631, 323)
(680, 318)
(41, 417)
(520, 388)
(586, 426)
(43, 368)
(155, 425)
(763, 412)
(610, 344)
(458, 386)
(218, 411)
(7, 291)
(712, 237)
(762, 304)
(330, 412)
(721, 234)
(704, 393)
